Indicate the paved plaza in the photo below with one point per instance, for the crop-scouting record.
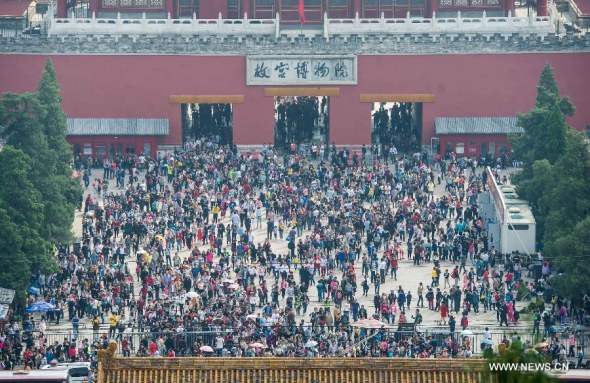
(408, 278)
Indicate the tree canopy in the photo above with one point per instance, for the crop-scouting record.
(37, 195)
(555, 179)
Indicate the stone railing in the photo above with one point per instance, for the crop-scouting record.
(272, 27)
(435, 25)
(112, 369)
(145, 26)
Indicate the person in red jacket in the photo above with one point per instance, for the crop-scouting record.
(444, 312)
(464, 322)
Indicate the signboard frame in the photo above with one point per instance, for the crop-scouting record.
(272, 69)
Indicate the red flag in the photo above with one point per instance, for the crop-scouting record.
(301, 10)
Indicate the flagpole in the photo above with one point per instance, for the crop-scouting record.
(301, 11)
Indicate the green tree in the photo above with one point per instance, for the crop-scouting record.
(574, 258)
(570, 179)
(21, 115)
(547, 88)
(23, 249)
(535, 187)
(54, 121)
(37, 195)
(550, 142)
(567, 218)
(544, 126)
(36, 124)
(61, 193)
(58, 211)
(15, 269)
(555, 179)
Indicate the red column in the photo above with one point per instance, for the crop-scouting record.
(246, 7)
(541, 7)
(169, 6)
(62, 11)
(433, 8)
(510, 7)
(357, 7)
(94, 4)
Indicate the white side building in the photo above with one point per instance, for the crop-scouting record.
(509, 220)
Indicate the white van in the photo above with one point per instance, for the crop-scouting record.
(78, 371)
(35, 376)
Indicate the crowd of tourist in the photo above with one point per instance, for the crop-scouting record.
(396, 125)
(301, 119)
(189, 218)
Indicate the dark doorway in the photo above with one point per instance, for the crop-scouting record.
(301, 119)
(398, 124)
(210, 122)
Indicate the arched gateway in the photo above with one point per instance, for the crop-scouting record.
(113, 369)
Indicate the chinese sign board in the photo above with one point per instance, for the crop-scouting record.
(301, 70)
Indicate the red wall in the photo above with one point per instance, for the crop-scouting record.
(210, 9)
(139, 87)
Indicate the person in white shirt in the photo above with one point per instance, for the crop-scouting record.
(486, 334)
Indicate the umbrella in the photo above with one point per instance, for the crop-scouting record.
(75, 174)
(40, 307)
(257, 345)
(147, 258)
(467, 333)
(206, 349)
(191, 294)
(369, 323)
(542, 344)
(311, 343)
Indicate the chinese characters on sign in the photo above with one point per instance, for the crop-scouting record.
(301, 70)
